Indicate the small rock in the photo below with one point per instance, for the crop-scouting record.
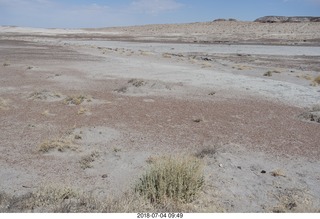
(197, 120)
(239, 167)
(263, 171)
(220, 165)
(104, 176)
(212, 93)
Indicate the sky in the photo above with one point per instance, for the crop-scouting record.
(109, 13)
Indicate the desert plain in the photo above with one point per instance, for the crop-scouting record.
(90, 110)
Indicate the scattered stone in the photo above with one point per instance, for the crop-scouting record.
(104, 176)
(197, 120)
(220, 165)
(206, 59)
(212, 93)
(263, 171)
(312, 115)
(239, 167)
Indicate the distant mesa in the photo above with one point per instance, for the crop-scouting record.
(223, 19)
(284, 19)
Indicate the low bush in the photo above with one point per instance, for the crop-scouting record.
(176, 179)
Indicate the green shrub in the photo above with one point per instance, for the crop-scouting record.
(177, 179)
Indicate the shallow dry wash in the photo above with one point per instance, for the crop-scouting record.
(125, 104)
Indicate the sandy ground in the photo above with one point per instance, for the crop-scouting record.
(257, 132)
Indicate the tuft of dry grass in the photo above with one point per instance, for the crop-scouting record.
(52, 199)
(177, 179)
(4, 104)
(206, 152)
(269, 73)
(44, 95)
(86, 161)
(317, 80)
(242, 67)
(278, 172)
(47, 113)
(76, 99)
(293, 200)
(61, 144)
(55, 199)
(82, 111)
(166, 55)
(136, 82)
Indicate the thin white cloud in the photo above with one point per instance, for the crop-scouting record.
(155, 6)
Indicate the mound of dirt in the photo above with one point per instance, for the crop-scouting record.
(138, 86)
(45, 95)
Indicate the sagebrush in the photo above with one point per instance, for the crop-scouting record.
(177, 179)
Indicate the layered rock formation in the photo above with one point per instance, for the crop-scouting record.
(284, 19)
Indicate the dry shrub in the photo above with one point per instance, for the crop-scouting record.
(317, 80)
(76, 100)
(268, 74)
(3, 104)
(166, 55)
(278, 172)
(86, 161)
(129, 202)
(60, 144)
(44, 95)
(136, 82)
(53, 199)
(172, 179)
(206, 152)
(82, 110)
(294, 200)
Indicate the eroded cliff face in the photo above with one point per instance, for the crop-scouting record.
(283, 19)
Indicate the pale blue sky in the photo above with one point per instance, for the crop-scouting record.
(104, 13)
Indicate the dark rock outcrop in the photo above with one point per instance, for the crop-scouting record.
(284, 19)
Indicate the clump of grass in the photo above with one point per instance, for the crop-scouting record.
(136, 82)
(3, 104)
(76, 100)
(206, 152)
(44, 95)
(60, 144)
(53, 199)
(82, 111)
(293, 200)
(278, 172)
(47, 113)
(317, 80)
(269, 73)
(86, 161)
(166, 55)
(172, 178)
